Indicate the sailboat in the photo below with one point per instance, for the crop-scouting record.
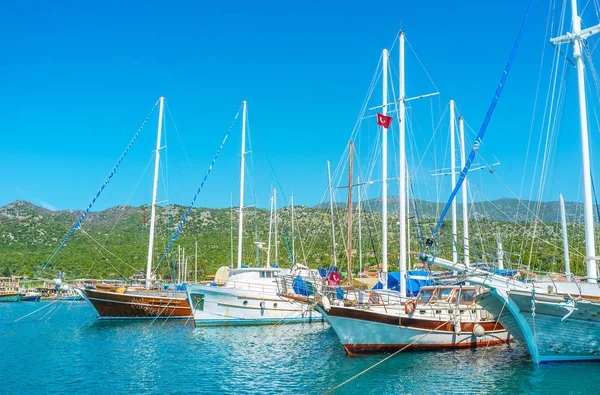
(149, 301)
(556, 316)
(247, 295)
(386, 320)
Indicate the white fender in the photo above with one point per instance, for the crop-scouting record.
(326, 304)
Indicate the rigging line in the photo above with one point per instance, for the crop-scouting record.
(500, 210)
(106, 181)
(421, 63)
(486, 121)
(394, 354)
(107, 250)
(595, 198)
(549, 102)
(176, 235)
(101, 254)
(180, 140)
(128, 200)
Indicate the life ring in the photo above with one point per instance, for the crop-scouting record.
(374, 298)
(410, 306)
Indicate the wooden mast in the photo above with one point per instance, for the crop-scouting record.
(349, 251)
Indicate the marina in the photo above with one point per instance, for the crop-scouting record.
(251, 221)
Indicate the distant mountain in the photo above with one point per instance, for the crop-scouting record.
(507, 210)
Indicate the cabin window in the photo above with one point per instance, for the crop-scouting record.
(442, 294)
(274, 305)
(245, 303)
(425, 295)
(467, 296)
(265, 274)
(198, 301)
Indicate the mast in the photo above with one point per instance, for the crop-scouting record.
(154, 191)
(293, 245)
(349, 251)
(231, 227)
(465, 203)
(359, 227)
(576, 38)
(178, 262)
(402, 160)
(563, 221)
(332, 219)
(453, 175)
(500, 254)
(275, 218)
(270, 231)
(196, 264)
(384, 213)
(242, 167)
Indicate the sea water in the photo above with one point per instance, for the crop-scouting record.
(63, 348)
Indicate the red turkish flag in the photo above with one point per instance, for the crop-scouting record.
(384, 120)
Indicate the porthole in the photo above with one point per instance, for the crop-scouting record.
(274, 305)
(245, 303)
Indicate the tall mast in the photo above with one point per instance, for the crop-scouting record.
(402, 160)
(270, 231)
(500, 254)
(563, 221)
(465, 203)
(359, 227)
(275, 218)
(384, 213)
(453, 175)
(576, 38)
(196, 264)
(154, 190)
(349, 251)
(331, 207)
(242, 167)
(293, 245)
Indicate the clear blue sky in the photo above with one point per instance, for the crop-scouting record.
(78, 78)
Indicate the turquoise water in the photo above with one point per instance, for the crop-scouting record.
(64, 349)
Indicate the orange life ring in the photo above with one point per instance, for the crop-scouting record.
(374, 298)
(410, 306)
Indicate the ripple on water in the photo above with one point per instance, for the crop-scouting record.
(68, 350)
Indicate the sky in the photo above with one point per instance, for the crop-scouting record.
(79, 77)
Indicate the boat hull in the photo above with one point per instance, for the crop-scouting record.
(222, 306)
(140, 305)
(363, 331)
(10, 297)
(31, 298)
(558, 331)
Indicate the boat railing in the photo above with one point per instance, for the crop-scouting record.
(252, 286)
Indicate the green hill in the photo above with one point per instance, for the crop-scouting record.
(114, 242)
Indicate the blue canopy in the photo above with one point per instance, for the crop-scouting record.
(413, 286)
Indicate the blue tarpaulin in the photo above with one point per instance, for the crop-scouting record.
(302, 287)
(327, 271)
(413, 286)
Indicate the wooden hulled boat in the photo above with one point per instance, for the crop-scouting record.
(136, 303)
(440, 317)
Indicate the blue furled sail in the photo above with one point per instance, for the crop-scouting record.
(187, 212)
(106, 181)
(486, 121)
